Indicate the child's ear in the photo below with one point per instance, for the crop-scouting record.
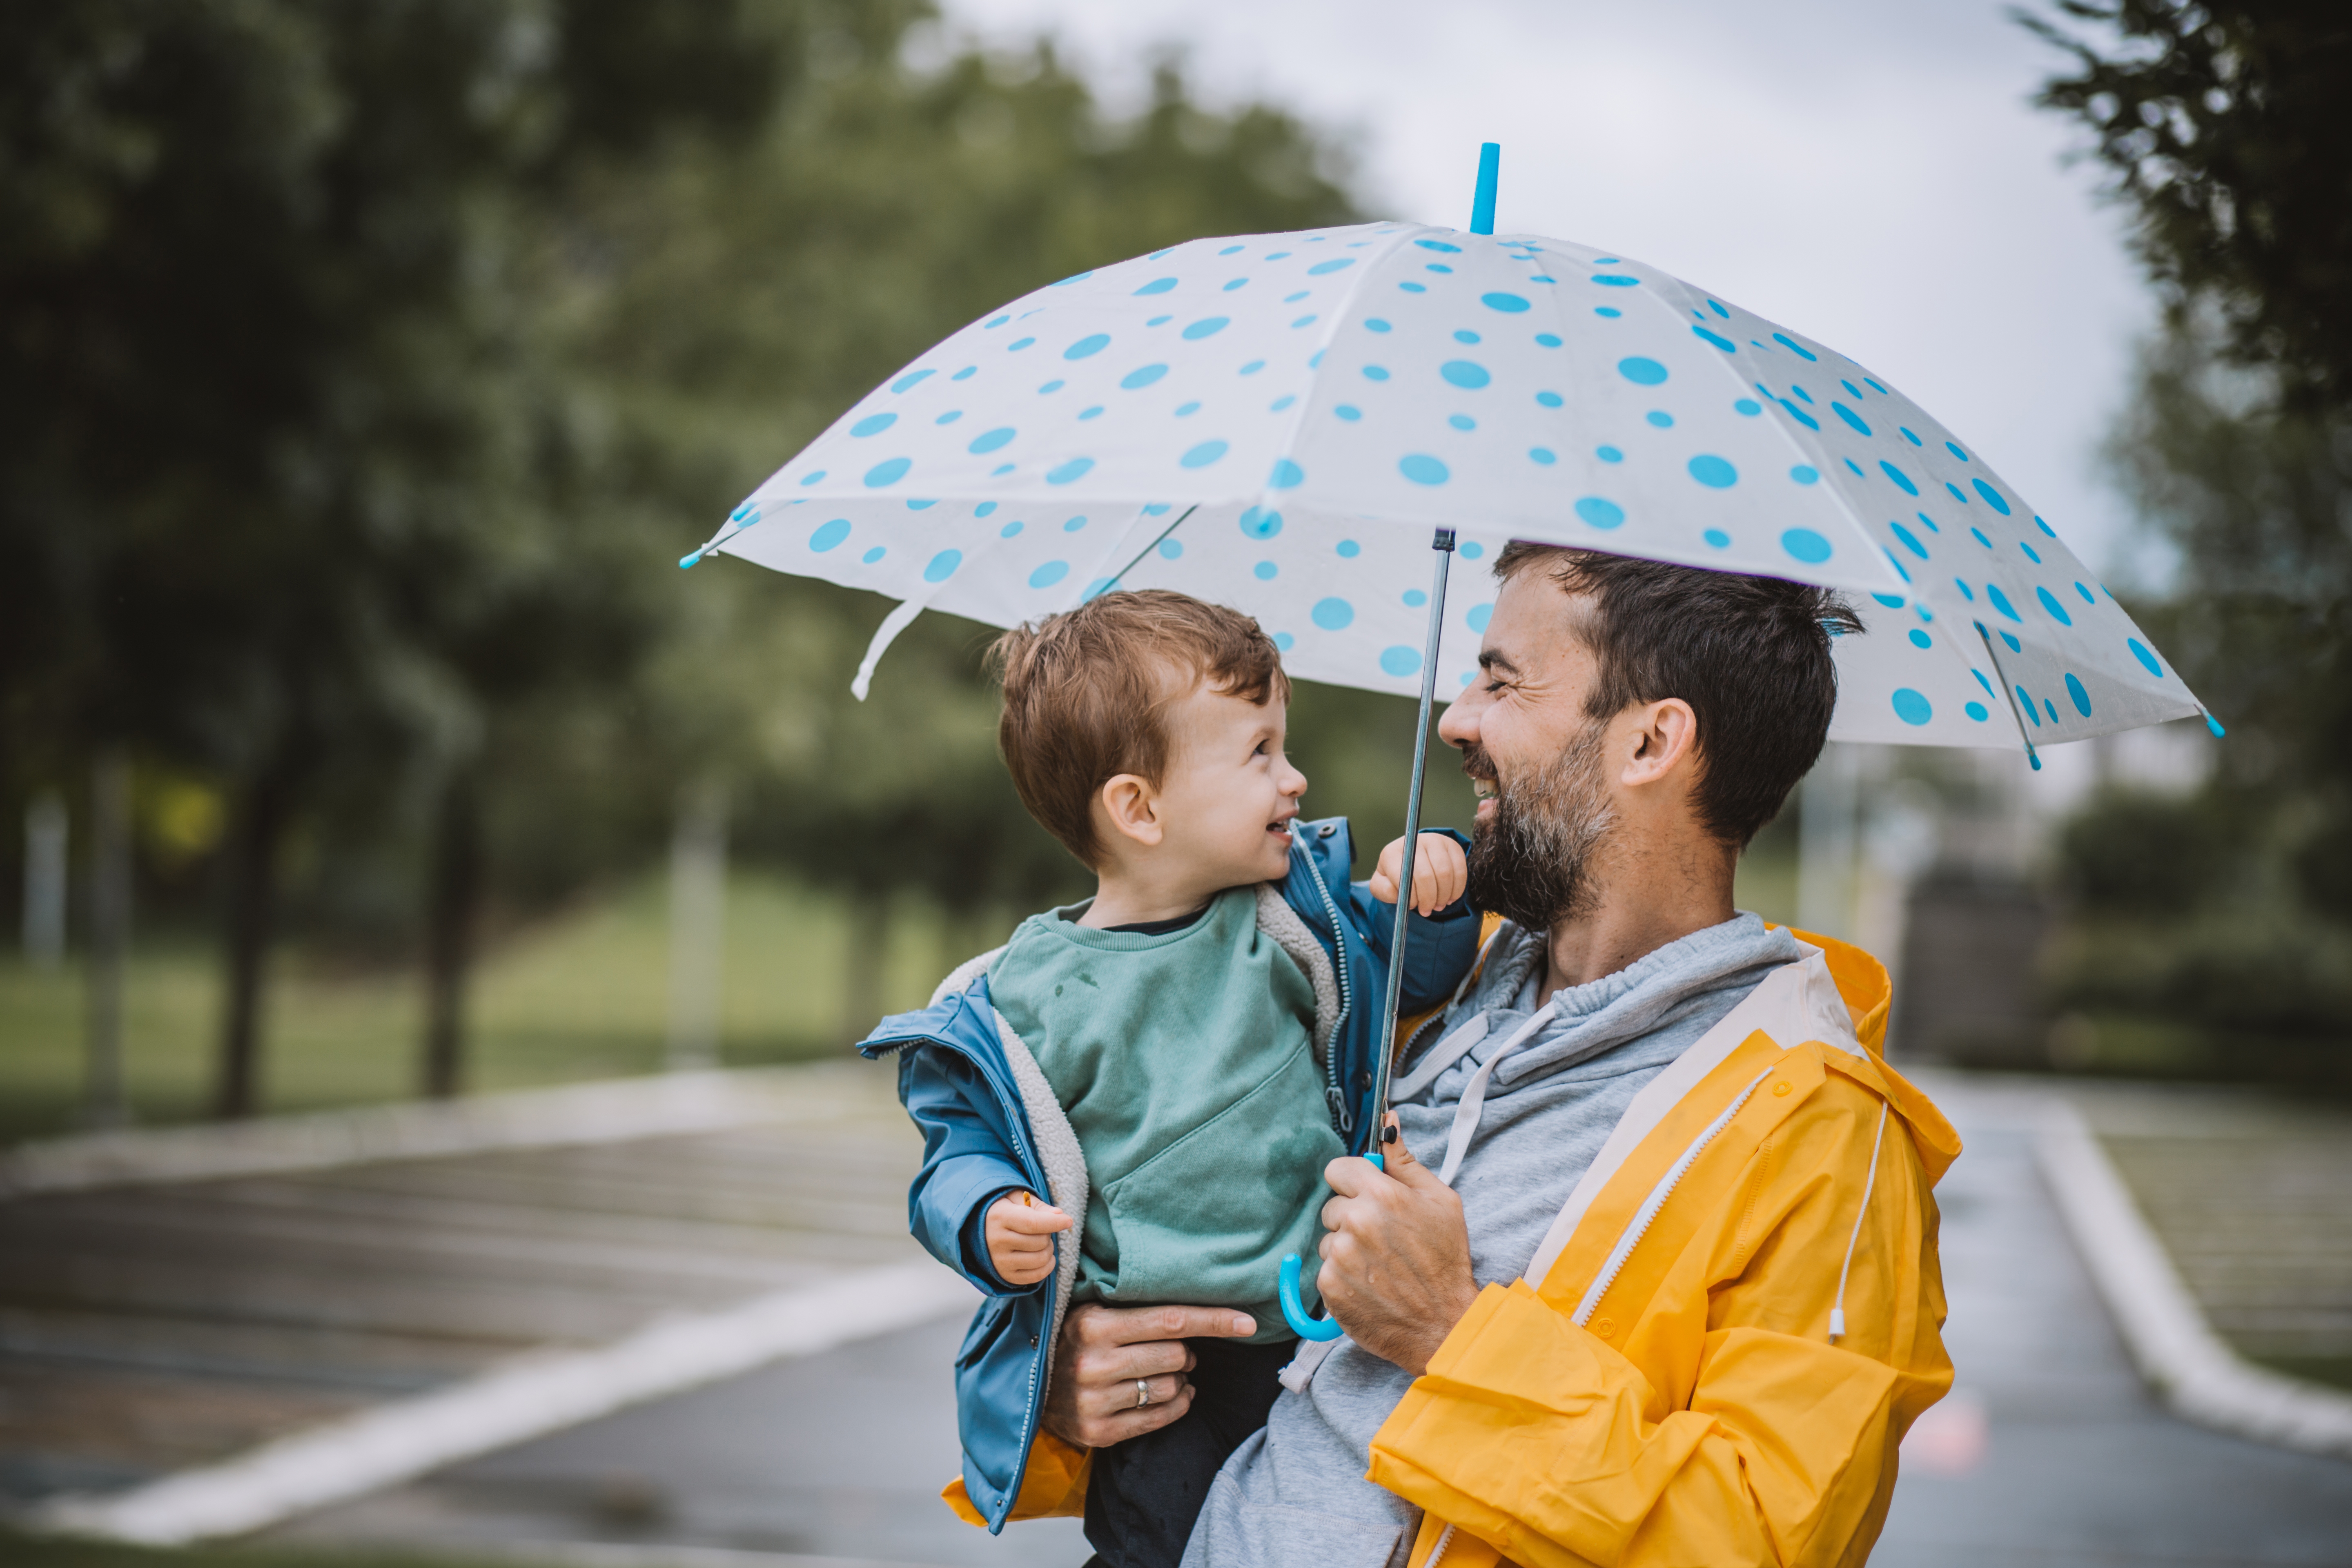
(1132, 806)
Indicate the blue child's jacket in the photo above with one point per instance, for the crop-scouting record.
(965, 1086)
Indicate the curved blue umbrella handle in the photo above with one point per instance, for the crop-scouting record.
(1295, 1312)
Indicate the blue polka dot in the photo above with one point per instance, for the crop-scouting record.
(1855, 468)
(1256, 365)
(1074, 525)
(1349, 412)
(1437, 267)
(1348, 549)
(1332, 615)
(1411, 288)
(1073, 469)
(1464, 373)
(1137, 379)
(833, 532)
(1263, 571)
(1642, 371)
(997, 322)
(1307, 319)
(1048, 574)
(1954, 448)
(1599, 513)
(1464, 335)
(1980, 537)
(1975, 710)
(1075, 278)
(966, 374)
(1400, 660)
(1283, 640)
(1992, 496)
(871, 556)
(1716, 538)
(1725, 345)
(1850, 416)
(1260, 523)
(2139, 651)
(1473, 550)
(1207, 327)
(1015, 348)
(2045, 528)
(1171, 549)
(2085, 593)
(1094, 413)
(1749, 406)
(949, 417)
(1805, 474)
(942, 565)
(1088, 346)
(1957, 494)
(1423, 469)
(1374, 324)
(1901, 480)
(988, 441)
(1786, 341)
(1715, 473)
(1610, 311)
(1051, 387)
(882, 475)
(1546, 340)
(1543, 455)
(1548, 399)
(1614, 280)
(1184, 410)
(1892, 601)
(874, 425)
(1286, 475)
(1510, 304)
(2014, 645)
(1910, 540)
(1236, 284)
(1798, 414)
(808, 480)
(1009, 530)
(1201, 456)
(1438, 245)
(1806, 545)
(983, 509)
(1609, 454)
(1921, 639)
(1661, 418)
(1912, 707)
(1334, 265)
(1376, 372)
(1905, 431)
(1414, 598)
(1478, 616)
(2050, 603)
(2000, 602)
(909, 379)
(1929, 522)
(1158, 286)
(2082, 698)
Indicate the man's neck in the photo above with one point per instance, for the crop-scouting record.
(1639, 908)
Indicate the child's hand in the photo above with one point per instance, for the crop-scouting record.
(1440, 872)
(1020, 1237)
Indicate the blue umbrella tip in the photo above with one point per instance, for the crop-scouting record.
(2035, 758)
(2215, 725)
(684, 561)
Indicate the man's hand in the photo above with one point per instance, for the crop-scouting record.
(1396, 1264)
(1440, 872)
(1105, 1351)
(1020, 1237)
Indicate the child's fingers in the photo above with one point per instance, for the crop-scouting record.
(1020, 1220)
(1439, 873)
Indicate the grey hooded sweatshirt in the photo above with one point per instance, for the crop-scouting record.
(1534, 1107)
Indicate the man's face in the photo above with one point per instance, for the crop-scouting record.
(1536, 759)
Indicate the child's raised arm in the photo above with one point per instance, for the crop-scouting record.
(1440, 872)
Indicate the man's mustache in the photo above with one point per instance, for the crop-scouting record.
(1478, 764)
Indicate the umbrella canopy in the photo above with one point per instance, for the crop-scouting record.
(1277, 421)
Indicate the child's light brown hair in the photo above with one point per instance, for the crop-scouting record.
(1086, 694)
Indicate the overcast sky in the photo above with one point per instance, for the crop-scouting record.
(1868, 171)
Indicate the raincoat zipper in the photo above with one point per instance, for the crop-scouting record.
(1335, 1094)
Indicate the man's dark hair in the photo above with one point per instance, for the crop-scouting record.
(1750, 655)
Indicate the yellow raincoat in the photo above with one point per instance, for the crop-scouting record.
(1665, 1387)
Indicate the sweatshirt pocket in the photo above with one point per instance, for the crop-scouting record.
(1207, 1219)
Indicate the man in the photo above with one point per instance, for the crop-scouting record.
(1670, 1294)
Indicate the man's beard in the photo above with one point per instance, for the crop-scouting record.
(1531, 859)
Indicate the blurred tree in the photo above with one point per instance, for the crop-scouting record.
(267, 363)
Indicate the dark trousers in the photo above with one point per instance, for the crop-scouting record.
(1143, 1495)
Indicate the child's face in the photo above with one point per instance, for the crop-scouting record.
(1230, 794)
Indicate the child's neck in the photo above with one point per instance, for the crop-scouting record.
(1142, 895)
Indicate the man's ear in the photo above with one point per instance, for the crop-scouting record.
(1664, 734)
(1133, 807)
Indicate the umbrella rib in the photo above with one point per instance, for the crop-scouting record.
(1148, 549)
(2008, 695)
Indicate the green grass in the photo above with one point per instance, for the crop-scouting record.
(581, 997)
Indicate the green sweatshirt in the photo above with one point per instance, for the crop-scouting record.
(1185, 1062)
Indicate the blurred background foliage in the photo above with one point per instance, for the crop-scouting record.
(365, 368)
(2225, 913)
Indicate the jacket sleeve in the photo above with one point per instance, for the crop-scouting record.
(967, 1164)
(1542, 1440)
(1439, 949)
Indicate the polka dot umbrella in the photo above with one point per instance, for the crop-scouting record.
(1277, 421)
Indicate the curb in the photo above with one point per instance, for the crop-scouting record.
(527, 1398)
(2190, 1367)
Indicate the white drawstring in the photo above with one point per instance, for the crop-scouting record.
(1474, 1093)
(1837, 1312)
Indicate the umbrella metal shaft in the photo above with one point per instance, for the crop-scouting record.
(1385, 1043)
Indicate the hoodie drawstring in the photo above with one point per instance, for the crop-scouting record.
(1837, 1312)
(1473, 1094)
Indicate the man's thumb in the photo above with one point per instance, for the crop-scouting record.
(1398, 1160)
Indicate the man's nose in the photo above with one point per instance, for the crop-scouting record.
(1458, 726)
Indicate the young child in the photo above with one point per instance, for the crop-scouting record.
(1172, 1063)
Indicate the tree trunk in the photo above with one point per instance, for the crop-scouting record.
(451, 910)
(262, 806)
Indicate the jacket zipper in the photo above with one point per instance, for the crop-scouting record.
(1334, 1093)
